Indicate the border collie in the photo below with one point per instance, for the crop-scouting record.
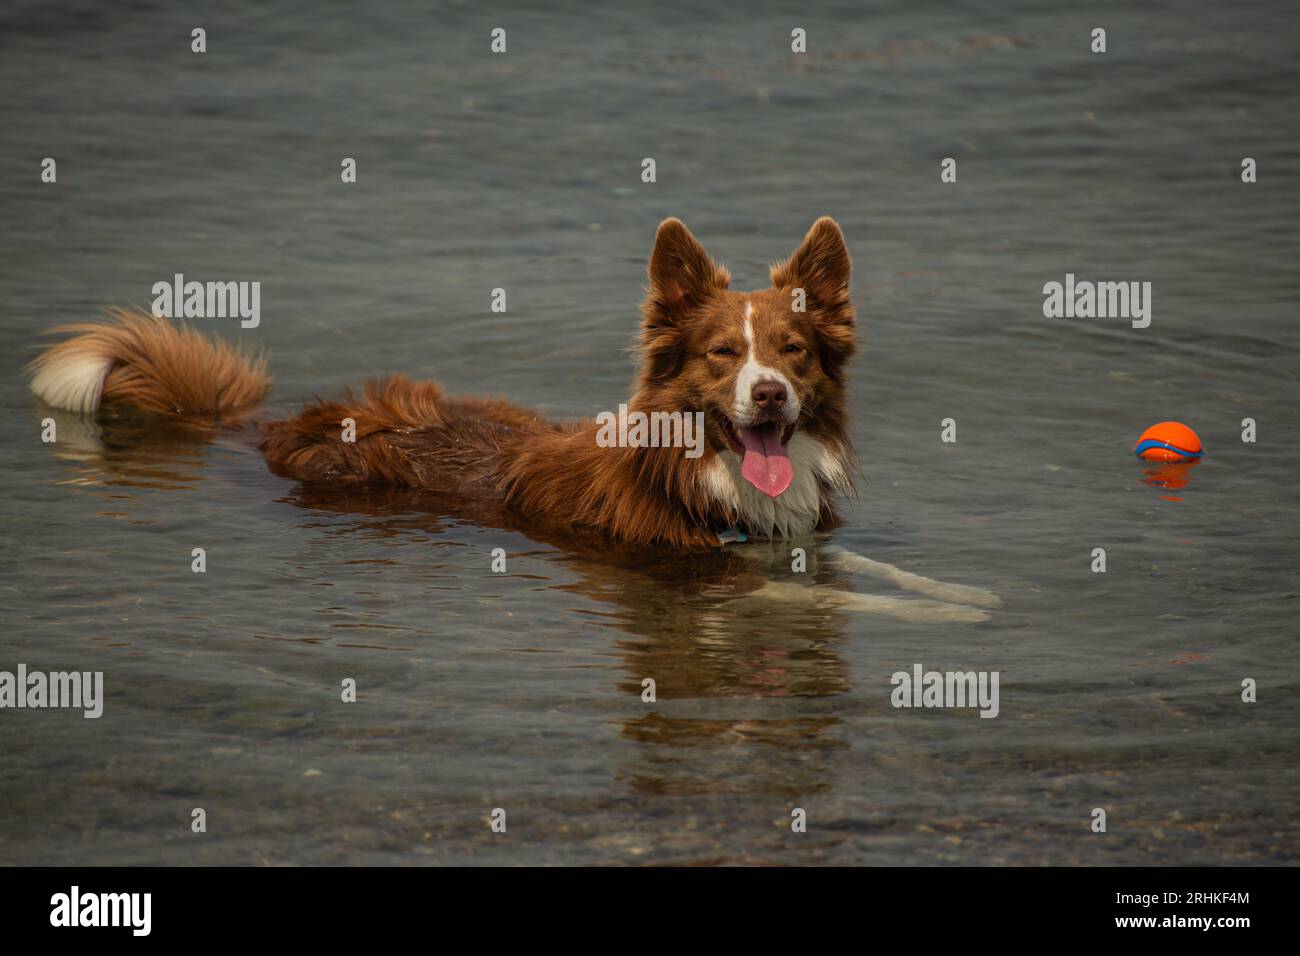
(763, 371)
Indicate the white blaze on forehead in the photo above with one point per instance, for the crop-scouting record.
(751, 373)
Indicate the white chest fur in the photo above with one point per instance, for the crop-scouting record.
(797, 509)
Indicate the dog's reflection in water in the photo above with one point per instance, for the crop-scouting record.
(712, 629)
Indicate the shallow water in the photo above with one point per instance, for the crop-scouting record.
(522, 690)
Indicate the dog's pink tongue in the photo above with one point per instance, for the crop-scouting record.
(767, 465)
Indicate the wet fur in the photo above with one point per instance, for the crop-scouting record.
(554, 474)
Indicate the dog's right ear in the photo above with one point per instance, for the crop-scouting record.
(681, 274)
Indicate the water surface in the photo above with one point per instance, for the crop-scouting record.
(522, 690)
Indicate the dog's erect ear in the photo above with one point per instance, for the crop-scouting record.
(681, 273)
(821, 267)
(681, 277)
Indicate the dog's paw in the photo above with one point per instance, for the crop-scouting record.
(961, 594)
(920, 612)
(954, 593)
(905, 609)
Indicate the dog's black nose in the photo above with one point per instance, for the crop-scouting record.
(768, 396)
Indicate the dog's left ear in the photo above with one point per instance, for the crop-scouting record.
(821, 267)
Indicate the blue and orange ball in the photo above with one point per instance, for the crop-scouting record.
(1169, 441)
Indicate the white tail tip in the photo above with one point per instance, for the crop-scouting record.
(71, 380)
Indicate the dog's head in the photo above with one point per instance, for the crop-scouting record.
(762, 365)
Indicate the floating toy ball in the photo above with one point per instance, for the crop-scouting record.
(1168, 441)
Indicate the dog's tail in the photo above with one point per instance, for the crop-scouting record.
(143, 361)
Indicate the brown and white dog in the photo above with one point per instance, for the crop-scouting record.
(766, 369)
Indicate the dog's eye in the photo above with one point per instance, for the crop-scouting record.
(722, 350)
(792, 348)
